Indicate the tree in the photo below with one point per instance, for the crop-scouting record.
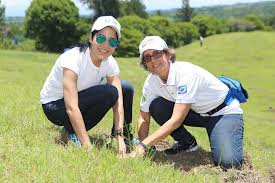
(255, 20)
(207, 25)
(53, 24)
(2, 23)
(103, 7)
(133, 7)
(185, 13)
(2, 14)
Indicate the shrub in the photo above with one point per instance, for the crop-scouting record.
(26, 45)
(128, 46)
(188, 32)
(140, 24)
(207, 25)
(256, 21)
(240, 25)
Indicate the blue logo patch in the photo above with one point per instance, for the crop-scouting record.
(182, 89)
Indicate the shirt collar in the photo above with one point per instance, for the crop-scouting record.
(171, 75)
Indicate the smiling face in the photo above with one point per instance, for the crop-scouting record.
(102, 49)
(157, 62)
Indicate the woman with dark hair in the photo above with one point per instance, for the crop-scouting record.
(176, 94)
(74, 96)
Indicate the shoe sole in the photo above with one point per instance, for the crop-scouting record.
(189, 150)
(192, 149)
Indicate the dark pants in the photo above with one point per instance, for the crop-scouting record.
(225, 132)
(94, 103)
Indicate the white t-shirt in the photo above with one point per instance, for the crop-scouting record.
(80, 63)
(188, 83)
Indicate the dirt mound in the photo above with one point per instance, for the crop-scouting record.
(183, 161)
(201, 161)
(247, 173)
(272, 174)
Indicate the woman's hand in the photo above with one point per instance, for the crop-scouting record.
(138, 151)
(121, 146)
(87, 146)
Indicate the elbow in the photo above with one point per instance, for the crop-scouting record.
(176, 125)
(70, 109)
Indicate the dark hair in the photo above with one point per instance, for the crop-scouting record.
(167, 51)
(83, 46)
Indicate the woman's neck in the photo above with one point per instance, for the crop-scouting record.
(96, 61)
(164, 75)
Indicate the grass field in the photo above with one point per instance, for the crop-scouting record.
(28, 152)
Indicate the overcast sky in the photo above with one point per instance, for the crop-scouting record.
(18, 7)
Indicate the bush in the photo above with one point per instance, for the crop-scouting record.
(207, 25)
(128, 46)
(6, 44)
(140, 24)
(237, 25)
(26, 45)
(256, 21)
(188, 32)
(133, 30)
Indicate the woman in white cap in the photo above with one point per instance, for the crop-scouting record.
(176, 94)
(74, 96)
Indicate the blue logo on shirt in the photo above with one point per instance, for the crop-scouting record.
(182, 89)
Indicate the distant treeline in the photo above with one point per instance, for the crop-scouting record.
(52, 26)
(227, 11)
(239, 10)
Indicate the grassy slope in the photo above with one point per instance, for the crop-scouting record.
(28, 152)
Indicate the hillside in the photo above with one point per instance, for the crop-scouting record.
(29, 152)
(239, 10)
(227, 11)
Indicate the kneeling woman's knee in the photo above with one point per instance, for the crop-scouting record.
(111, 94)
(158, 110)
(228, 160)
(127, 87)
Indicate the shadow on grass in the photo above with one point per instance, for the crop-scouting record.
(200, 160)
(98, 140)
(184, 161)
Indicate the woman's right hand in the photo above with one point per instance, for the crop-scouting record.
(88, 146)
(121, 146)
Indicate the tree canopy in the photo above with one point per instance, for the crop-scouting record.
(133, 7)
(53, 24)
(185, 13)
(2, 14)
(106, 7)
(116, 8)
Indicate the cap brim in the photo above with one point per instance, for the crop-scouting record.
(101, 27)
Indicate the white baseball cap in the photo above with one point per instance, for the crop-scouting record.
(107, 21)
(151, 42)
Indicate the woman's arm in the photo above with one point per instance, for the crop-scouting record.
(118, 112)
(118, 107)
(143, 125)
(180, 111)
(71, 104)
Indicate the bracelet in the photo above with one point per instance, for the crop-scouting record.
(118, 132)
(143, 146)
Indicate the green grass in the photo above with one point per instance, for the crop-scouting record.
(28, 152)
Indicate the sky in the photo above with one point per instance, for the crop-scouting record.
(18, 7)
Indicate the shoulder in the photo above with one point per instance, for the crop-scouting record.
(151, 79)
(110, 59)
(184, 67)
(73, 53)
